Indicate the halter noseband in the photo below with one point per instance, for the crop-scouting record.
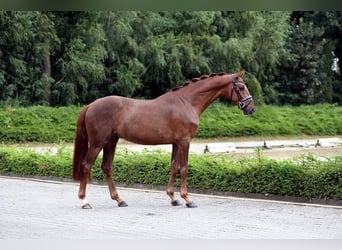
(243, 102)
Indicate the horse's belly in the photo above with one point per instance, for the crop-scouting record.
(148, 136)
(154, 125)
(154, 134)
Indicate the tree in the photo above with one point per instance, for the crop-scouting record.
(62, 58)
(330, 21)
(46, 41)
(78, 65)
(306, 72)
(123, 69)
(26, 42)
(172, 52)
(253, 41)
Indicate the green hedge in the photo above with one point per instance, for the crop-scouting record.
(305, 177)
(38, 124)
(222, 121)
(46, 124)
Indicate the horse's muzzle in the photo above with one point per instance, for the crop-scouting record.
(247, 105)
(249, 110)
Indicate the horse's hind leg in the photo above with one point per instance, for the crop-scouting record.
(108, 156)
(86, 167)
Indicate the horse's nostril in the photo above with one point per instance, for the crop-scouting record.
(249, 111)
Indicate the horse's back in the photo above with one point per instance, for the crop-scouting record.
(110, 105)
(113, 101)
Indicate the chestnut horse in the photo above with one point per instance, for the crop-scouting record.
(172, 118)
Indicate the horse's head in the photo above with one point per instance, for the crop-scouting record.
(239, 94)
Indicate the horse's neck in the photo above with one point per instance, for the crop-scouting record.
(202, 94)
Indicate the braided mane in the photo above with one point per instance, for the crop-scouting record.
(196, 79)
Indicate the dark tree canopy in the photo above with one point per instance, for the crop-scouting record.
(64, 58)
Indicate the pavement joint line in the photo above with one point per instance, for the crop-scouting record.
(162, 192)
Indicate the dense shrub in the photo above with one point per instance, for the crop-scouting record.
(221, 121)
(305, 177)
(38, 124)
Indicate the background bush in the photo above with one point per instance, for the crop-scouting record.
(220, 120)
(38, 124)
(46, 124)
(305, 177)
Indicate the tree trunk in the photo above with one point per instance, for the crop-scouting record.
(47, 72)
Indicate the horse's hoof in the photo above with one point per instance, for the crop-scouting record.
(122, 204)
(176, 203)
(86, 206)
(191, 205)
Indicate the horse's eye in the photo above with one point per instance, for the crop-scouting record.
(242, 87)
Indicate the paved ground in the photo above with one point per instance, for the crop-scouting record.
(50, 210)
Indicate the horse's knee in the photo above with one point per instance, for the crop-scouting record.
(107, 172)
(184, 171)
(174, 170)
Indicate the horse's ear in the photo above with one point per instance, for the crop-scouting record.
(241, 73)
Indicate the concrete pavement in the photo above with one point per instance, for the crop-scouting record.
(35, 209)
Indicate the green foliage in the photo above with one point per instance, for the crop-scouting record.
(70, 58)
(47, 124)
(149, 167)
(39, 124)
(221, 121)
(304, 177)
(26, 162)
(81, 59)
(24, 41)
(307, 81)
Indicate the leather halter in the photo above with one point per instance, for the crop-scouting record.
(243, 102)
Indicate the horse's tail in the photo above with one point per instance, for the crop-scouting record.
(80, 146)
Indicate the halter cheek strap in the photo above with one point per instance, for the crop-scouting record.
(233, 84)
(233, 79)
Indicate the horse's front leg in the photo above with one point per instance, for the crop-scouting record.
(173, 174)
(183, 154)
(180, 154)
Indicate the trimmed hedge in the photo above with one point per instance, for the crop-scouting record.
(305, 177)
(222, 121)
(38, 124)
(47, 124)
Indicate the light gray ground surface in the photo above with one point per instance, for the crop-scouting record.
(33, 209)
